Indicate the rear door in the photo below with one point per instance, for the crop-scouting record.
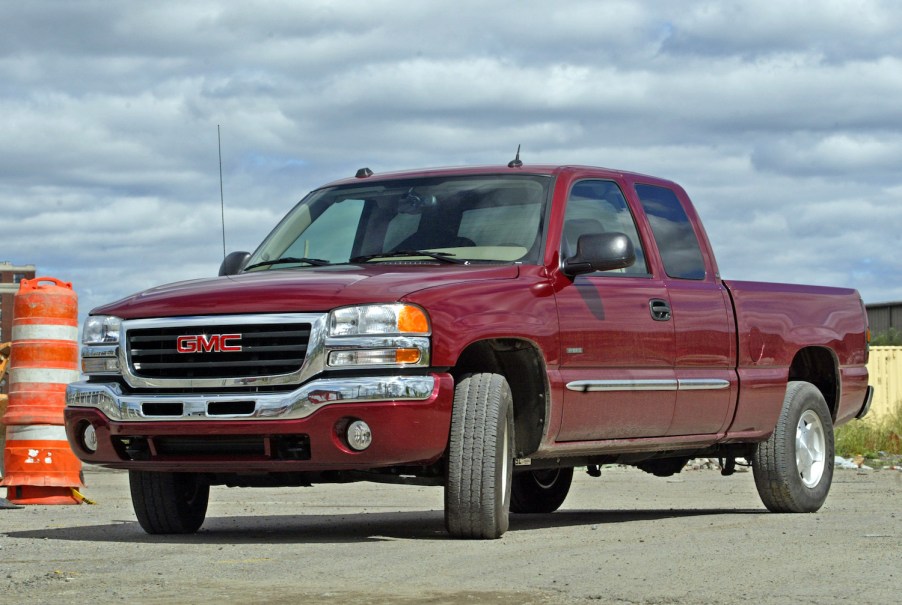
(701, 311)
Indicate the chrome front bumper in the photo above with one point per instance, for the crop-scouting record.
(300, 403)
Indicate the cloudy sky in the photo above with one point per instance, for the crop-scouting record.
(783, 121)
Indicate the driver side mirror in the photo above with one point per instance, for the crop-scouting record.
(233, 263)
(600, 252)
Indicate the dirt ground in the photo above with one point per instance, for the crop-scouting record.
(624, 538)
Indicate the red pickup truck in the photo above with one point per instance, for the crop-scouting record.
(482, 329)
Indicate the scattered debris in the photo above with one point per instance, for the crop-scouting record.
(850, 463)
(876, 460)
(713, 464)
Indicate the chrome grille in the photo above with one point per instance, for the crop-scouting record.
(265, 350)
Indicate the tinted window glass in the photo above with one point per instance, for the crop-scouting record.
(331, 236)
(599, 207)
(673, 232)
(498, 226)
(474, 218)
(400, 228)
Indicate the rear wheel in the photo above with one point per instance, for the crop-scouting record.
(794, 467)
(480, 458)
(541, 491)
(169, 503)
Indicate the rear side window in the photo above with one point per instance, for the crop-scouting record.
(680, 251)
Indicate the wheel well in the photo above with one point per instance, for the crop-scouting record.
(818, 366)
(522, 364)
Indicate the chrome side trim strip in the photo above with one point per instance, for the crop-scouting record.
(300, 403)
(683, 384)
(585, 386)
(703, 384)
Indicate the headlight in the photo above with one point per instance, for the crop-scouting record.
(101, 330)
(395, 335)
(387, 319)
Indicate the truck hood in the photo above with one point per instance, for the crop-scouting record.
(297, 290)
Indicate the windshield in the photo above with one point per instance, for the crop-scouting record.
(470, 219)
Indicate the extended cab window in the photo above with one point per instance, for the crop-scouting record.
(677, 242)
(596, 206)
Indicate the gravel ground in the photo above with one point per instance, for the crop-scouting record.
(625, 538)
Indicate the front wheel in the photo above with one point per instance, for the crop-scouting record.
(794, 468)
(480, 458)
(169, 503)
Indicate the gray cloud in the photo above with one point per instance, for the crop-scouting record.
(782, 123)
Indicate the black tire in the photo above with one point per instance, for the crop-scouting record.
(794, 468)
(169, 503)
(480, 458)
(541, 491)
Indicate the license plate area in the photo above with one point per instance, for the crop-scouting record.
(214, 447)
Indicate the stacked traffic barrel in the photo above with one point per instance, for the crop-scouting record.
(39, 466)
(4, 361)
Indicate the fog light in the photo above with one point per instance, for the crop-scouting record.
(99, 365)
(89, 438)
(362, 358)
(359, 435)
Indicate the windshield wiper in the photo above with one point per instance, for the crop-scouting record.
(445, 257)
(316, 262)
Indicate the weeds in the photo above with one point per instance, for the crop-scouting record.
(870, 438)
(888, 338)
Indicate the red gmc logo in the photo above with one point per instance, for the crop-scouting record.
(214, 343)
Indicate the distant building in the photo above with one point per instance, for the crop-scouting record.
(10, 276)
(883, 316)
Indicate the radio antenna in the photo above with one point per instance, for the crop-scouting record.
(221, 197)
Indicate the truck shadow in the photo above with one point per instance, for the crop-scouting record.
(351, 528)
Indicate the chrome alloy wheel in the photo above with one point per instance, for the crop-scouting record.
(811, 445)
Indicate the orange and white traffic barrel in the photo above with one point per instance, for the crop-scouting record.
(39, 466)
(44, 352)
(4, 400)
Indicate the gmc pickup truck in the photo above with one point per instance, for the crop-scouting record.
(484, 329)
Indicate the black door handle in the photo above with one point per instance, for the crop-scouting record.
(660, 309)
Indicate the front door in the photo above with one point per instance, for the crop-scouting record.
(617, 338)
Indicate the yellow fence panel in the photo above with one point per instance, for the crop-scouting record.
(885, 370)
